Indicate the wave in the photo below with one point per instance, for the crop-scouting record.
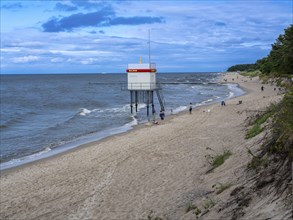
(10, 123)
(24, 160)
(3, 126)
(206, 101)
(84, 111)
(230, 95)
(16, 119)
(124, 108)
(179, 109)
(65, 146)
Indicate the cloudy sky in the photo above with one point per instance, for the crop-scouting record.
(89, 36)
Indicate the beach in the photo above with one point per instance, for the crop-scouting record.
(151, 170)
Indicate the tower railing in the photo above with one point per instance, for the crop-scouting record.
(141, 86)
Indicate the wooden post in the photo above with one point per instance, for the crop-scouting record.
(152, 100)
(148, 105)
(131, 102)
(136, 100)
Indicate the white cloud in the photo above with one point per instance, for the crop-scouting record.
(8, 50)
(57, 60)
(194, 33)
(25, 59)
(89, 61)
(81, 53)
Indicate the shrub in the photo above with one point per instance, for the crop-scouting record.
(197, 211)
(222, 187)
(251, 73)
(256, 128)
(218, 160)
(190, 207)
(282, 140)
(209, 204)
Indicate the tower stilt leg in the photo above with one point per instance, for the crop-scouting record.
(148, 104)
(152, 101)
(131, 110)
(160, 100)
(136, 100)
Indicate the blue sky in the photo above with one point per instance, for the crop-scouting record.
(73, 36)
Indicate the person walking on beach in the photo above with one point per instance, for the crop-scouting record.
(223, 103)
(190, 108)
(262, 88)
(162, 115)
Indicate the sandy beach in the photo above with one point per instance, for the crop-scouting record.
(153, 170)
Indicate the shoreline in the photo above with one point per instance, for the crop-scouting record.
(158, 169)
(100, 136)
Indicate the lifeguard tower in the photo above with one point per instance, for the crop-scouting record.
(142, 83)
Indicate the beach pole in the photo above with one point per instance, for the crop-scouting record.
(131, 110)
(148, 105)
(136, 100)
(152, 101)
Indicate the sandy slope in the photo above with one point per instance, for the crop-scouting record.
(155, 168)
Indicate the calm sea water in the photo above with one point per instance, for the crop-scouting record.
(42, 115)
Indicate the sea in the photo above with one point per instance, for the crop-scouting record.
(46, 114)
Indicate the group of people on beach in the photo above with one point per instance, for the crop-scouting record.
(162, 113)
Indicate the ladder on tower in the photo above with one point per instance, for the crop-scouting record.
(161, 99)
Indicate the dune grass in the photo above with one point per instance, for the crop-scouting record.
(218, 160)
(257, 128)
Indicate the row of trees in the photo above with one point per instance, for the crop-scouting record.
(279, 62)
(280, 59)
(242, 67)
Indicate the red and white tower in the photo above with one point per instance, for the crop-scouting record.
(142, 82)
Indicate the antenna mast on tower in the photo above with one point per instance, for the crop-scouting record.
(149, 46)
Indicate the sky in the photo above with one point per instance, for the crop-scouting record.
(89, 36)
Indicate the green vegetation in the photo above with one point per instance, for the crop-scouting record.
(273, 160)
(218, 160)
(257, 162)
(197, 211)
(279, 62)
(209, 204)
(282, 128)
(222, 187)
(190, 207)
(242, 67)
(282, 138)
(257, 128)
(151, 217)
(281, 142)
(251, 73)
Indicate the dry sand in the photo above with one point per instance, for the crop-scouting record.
(156, 169)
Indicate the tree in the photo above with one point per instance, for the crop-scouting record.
(280, 59)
